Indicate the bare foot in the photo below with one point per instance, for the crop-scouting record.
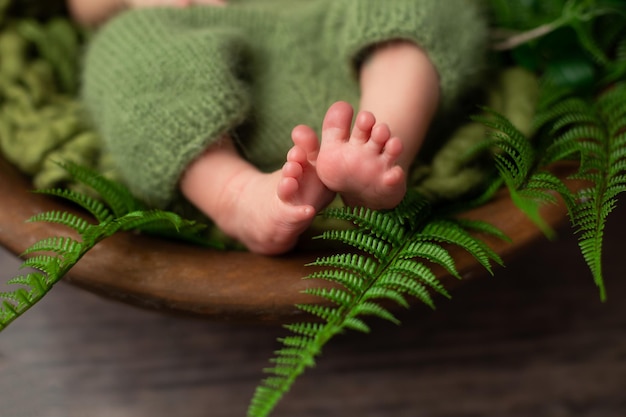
(269, 212)
(360, 164)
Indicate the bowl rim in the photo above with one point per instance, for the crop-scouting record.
(227, 285)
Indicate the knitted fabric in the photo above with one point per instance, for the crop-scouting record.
(41, 122)
(162, 84)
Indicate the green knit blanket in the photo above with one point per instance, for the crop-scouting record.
(42, 122)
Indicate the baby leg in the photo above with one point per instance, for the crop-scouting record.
(360, 162)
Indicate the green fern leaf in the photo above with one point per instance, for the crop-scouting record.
(376, 223)
(360, 239)
(64, 246)
(450, 231)
(367, 308)
(361, 265)
(391, 271)
(323, 312)
(34, 280)
(417, 272)
(351, 281)
(407, 285)
(483, 227)
(355, 323)
(334, 295)
(96, 208)
(55, 256)
(18, 297)
(63, 218)
(381, 293)
(593, 129)
(117, 197)
(304, 329)
(47, 264)
(431, 252)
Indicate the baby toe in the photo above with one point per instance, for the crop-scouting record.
(337, 122)
(292, 169)
(363, 125)
(393, 149)
(306, 138)
(379, 137)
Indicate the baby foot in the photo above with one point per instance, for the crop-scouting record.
(269, 212)
(360, 164)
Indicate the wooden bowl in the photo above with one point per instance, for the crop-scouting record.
(222, 285)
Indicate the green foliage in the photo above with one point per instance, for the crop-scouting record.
(53, 257)
(392, 263)
(579, 48)
(594, 129)
(591, 130)
(516, 161)
(570, 42)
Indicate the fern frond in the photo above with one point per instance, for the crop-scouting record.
(368, 308)
(594, 130)
(483, 227)
(117, 197)
(417, 272)
(304, 329)
(47, 264)
(361, 265)
(391, 271)
(148, 219)
(34, 280)
(360, 239)
(530, 186)
(353, 282)
(96, 208)
(451, 232)
(431, 252)
(514, 153)
(375, 222)
(334, 295)
(55, 256)
(323, 312)
(408, 285)
(63, 218)
(380, 293)
(62, 246)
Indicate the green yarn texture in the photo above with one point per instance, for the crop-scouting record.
(43, 122)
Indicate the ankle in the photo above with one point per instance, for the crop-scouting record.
(225, 209)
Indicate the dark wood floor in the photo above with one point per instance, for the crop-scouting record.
(534, 341)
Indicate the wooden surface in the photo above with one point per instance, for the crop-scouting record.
(534, 341)
(230, 285)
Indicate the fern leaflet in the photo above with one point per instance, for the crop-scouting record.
(53, 257)
(397, 246)
(595, 129)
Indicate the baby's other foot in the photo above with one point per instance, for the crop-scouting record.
(300, 184)
(360, 163)
(269, 212)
